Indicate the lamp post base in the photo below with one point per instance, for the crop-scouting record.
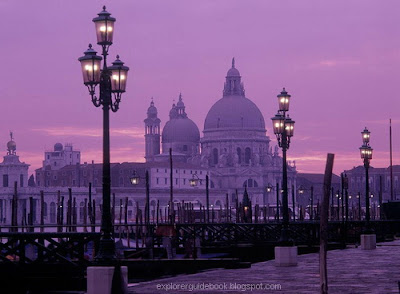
(100, 279)
(368, 241)
(286, 256)
(106, 252)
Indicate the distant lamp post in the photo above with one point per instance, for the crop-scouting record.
(135, 180)
(366, 156)
(112, 82)
(269, 188)
(283, 127)
(301, 190)
(194, 182)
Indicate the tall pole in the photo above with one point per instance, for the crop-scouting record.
(293, 204)
(285, 208)
(171, 188)
(391, 163)
(107, 246)
(367, 216)
(359, 205)
(338, 205)
(332, 205)
(277, 201)
(207, 199)
(380, 197)
(147, 199)
(312, 203)
(342, 188)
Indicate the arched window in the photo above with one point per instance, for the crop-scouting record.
(52, 212)
(247, 155)
(130, 203)
(250, 183)
(218, 203)
(215, 156)
(81, 210)
(239, 153)
(153, 203)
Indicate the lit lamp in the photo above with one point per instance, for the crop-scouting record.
(283, 100)
(301, 190)
(194, 180)
(268, 188)
(135, 179)
(90, 64)
(104, 24)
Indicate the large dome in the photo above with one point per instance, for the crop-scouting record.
(180, 130)
(234, 112)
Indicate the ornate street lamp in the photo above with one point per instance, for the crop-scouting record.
(283, 127)
(194, 182)
(135, 180)
(112, 82)
(366, 156)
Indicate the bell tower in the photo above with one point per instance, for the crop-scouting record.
(152, 133)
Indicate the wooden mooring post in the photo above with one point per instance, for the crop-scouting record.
(323, 271)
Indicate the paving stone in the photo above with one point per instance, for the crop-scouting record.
(350, 271)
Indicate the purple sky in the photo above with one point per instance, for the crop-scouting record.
(340, 61)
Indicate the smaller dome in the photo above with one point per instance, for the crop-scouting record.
(233, 72)
(58, 147)
(11, 146)
(152, 110)
(180, 130)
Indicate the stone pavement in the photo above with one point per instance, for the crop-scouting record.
(349, 271)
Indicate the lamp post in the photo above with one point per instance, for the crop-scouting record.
(359, 205)
(283, 129)
(112, 82)
(269, 189)
(193, 182)
(366, 156)
(135, 179)
(301, 191)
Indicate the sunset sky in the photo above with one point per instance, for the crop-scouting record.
(340, 61)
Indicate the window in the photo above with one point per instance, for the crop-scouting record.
(48, 156)
(247, 155)
(176, 181)
(157, 181)
(201, 172)
(121, 181)
(165, 181)
(21, 180)
(184, 171)
(55, 177)
(165, 170)
(55, 163)
(176, 171)
(215, 156)
(157, 169)
(73, 182)
(184, 181)
(5, 180)
(239, 154)
(185, 148)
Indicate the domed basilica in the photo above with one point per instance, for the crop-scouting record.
(234, 149)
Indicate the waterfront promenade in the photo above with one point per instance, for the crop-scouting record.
(349, 271)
